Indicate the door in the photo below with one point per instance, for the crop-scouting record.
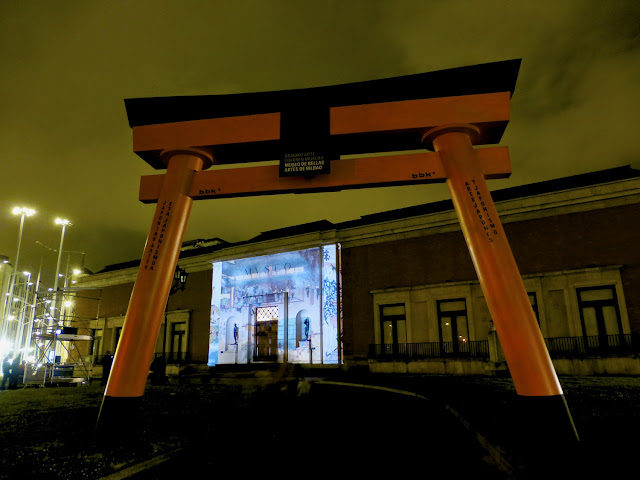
(266, 334)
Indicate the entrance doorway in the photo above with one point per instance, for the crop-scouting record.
(266, 334)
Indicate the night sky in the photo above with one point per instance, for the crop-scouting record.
(67, 66)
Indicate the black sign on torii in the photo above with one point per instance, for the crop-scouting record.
(305, 113)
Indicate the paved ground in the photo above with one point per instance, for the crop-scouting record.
(252, 424)
(410, 434)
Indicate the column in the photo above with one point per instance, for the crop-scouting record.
(543, 414)
(134, 354)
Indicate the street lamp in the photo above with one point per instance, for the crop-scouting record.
(23, 212)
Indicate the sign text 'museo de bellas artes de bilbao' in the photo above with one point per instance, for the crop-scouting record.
(303, 163)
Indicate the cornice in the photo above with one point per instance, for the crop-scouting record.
(581, 199)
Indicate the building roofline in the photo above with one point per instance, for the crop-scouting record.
(522, 191)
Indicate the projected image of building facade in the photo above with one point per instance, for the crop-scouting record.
(276, 308)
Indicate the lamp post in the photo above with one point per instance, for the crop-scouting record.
(26, 303)
(65, 223)
(23, 212)
(5, 277)
(32, 317)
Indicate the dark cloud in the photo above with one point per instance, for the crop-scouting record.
(65, 145)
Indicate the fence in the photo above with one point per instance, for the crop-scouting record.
(597, 345)
(559, 347)
(405, 351)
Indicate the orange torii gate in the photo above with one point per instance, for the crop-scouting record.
(447, 111)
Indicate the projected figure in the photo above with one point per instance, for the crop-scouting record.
(306, 328)
(235, 333)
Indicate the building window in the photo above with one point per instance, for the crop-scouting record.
(267, 314)
(600, 316)
(96, 343)
(533, 299)
(393, 326)
(117, 331)
(453, 325)
(178, 332)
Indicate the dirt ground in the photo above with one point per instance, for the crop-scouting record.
(49, 432)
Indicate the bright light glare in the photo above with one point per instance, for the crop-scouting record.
(26, 273)
(68, 303)
(77, 271)
(62, 221)
(5, 347)
(23, 211)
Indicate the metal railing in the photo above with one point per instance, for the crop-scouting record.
(559, 347)
(595, 345)
(404, 351)
(181, 358)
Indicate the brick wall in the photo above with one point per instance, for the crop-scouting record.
(602, 237)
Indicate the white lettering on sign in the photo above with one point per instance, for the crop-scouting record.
(301, 163)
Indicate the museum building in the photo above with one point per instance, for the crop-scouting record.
(396, 292)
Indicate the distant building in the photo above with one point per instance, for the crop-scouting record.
(397, 292)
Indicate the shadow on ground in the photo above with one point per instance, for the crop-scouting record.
(335, 429)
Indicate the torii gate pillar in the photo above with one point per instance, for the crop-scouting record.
(135, 350)
(545, 422)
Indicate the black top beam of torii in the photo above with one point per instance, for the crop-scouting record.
(305, 113)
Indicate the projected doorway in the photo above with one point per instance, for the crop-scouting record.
(266, 334)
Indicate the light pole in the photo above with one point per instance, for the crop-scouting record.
(28, 339)
(23, 212)
(65, 223)
(26, 302)
(5, 277)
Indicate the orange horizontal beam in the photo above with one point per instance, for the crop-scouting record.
(420, 114)
(403, 169)
(208, 132)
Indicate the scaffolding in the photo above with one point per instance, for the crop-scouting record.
(74, 370)
(59, 360)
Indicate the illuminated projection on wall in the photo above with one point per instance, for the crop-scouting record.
(256, 300)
